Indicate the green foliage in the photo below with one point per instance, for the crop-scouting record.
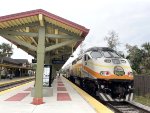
(139, 58)
(146, 56)
(5, 50)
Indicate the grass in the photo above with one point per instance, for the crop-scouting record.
(145, 100)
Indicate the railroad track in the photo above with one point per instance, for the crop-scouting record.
(119, 107)
(14, 84)
(126, 107)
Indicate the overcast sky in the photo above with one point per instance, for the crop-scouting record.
(129, 18)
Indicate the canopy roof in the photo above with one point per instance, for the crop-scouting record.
(24, 28)
(23, 18)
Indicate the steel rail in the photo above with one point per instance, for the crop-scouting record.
(125, 107)
(14, 84)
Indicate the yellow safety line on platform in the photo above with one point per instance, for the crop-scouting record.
(11, 81)
(99, 107)
(14, 88)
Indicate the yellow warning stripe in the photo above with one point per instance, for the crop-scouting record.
(16, 80)
(98, 75)
(99, 107)
(14, 88)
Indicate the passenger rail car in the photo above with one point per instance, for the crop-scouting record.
(102, 72)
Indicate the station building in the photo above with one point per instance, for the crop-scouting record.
(15, 68)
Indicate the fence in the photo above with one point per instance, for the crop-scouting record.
(142, 85)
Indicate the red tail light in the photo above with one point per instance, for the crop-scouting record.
(104, 73)
(130, 73)
(107, 72)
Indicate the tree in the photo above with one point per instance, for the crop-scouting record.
(5, 50)
(135, 57)
(146, 56)
(146, 49)
(112, 40)
(139, 58)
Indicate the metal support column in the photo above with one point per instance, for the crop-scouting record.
(53, 72)
(38, 94)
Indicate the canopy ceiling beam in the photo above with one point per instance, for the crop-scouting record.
(59, 45)
(16, 33)
(61, 36)
(41, 20)
(33, 41)
(28, 30)
(61, 29)
(56, 33)
(21, 26)
(31, 34)
(19, 42)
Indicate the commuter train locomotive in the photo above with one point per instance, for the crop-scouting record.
(102, 72)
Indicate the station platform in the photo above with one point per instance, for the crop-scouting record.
(67, 98)
(7, 81)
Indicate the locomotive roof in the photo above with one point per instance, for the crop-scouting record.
(99, 48)
(93, 49)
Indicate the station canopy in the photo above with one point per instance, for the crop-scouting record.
(61, 36)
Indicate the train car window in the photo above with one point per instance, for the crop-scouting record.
(95, 54)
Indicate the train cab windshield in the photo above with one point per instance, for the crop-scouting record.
(96, 54)
(106, 54)
(110, 54)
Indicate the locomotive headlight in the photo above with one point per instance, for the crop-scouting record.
(107, 60)
(102, 86)
(104, 73)
(129, 86)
